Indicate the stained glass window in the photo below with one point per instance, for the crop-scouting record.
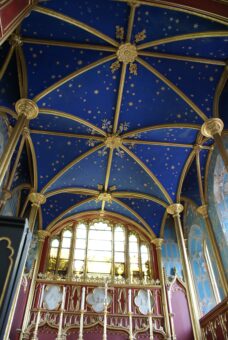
(100, 249)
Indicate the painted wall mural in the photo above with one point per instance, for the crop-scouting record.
(170, 252)
(218, 203)
(195, 231)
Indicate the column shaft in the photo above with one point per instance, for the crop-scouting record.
(12, 143)
(188, 278)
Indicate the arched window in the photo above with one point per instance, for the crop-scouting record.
(99, 249)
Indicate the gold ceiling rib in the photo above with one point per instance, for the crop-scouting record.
(184, 173)
(71, 164)
(138, 195)
(207, 174)
(130, 22)
(181, 8)
(22, 72)
(66, 135)
(76, 23)
(68, 44)
(108, 171)
(87, 200)
(182, 58)
(120, 96)
(181, 37)
(173, 87)
(72, 76)
(161, 126)
(221, 84)
(134, 213)
(34, 161)
(4, 110)
(72, 117)
(149, 172)
(6, 61)
(199, 177)
(13, 171)
(146, 142)
(163, 223)
(72, 190)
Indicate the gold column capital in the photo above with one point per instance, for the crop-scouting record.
(15, 40)
(27, 107)
(158, 242)
(175, 209)
(42, 234)
(6, 195)
(37, 199)
(203, 210)
(212, 127)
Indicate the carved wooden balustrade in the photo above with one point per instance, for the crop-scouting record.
(214, 324)
(117, 311)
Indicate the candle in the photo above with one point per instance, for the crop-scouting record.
(149, 302)
(82, 314)
(129, 301)
(41, 296)
(83, 298)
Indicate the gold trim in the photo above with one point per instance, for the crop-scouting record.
(68, 44)
(72, 76)
(218, 91)
(182, 58)
(149, 172)
(207, 173)
(181, 37)
(133, 212)
(120, 96)
(147, 142)
(108, 170)
(164, 219)
(182, 8)
(63, 114)
(76, 23)
(76, 191)
(6, 61)
(184, 173)
(161, 126)
(9, 246)
(53, 222)
(126, 194)
(34, 162)
(22, 72)
(199, 177)
(71, 164)
(173, 87)
(66, 135)
(211, 127)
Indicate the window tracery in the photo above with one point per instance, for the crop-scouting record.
(100, 249)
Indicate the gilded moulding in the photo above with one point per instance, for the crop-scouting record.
(37, 199)
(175, 209)
(211, 127)
(27, 107)
(10, 257)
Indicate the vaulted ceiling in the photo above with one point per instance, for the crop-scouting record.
(122, 89)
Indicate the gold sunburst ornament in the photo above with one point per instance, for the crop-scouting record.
(127, 52)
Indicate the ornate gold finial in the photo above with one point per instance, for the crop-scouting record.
(140, 36)
(104, 197)
(202, 210)
(127, 53)
(42, 234)
(27, 107)
(113, 142)
(175, 209)
(37, 198)
(211, 127)
(158, 242)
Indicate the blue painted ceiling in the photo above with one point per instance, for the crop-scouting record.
(66, 63)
